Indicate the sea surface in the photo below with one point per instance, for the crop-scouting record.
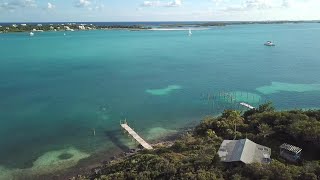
(62, 96)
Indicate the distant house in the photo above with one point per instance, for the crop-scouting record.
(290, 152)
(14, 25)
(23, 24)
(82, 27)
(243, 150)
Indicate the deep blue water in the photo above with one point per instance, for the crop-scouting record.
(55, 89)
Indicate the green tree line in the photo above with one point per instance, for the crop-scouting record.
(194, 155)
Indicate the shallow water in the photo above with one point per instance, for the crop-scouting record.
(56, 89)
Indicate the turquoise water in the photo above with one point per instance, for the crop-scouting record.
(55, 89)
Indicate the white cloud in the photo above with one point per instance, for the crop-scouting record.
(83, 3)
(248, 5)
(173, 3)
(51, 6)
(151, 3)
(258, 4)
(14, 4)
(29, 3)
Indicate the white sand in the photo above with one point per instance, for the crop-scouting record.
(159, 132)
(47, 163)
(277, 87)
(163, 91)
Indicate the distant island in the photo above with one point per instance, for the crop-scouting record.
(65, 27)
(33, 27)
(195, 155)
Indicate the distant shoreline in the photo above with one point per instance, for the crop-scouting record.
(132, 26)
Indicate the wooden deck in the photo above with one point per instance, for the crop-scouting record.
(136, 136)
(247, 105)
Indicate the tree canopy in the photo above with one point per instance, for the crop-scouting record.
(194, 155)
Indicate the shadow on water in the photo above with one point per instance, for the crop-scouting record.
(114, 137)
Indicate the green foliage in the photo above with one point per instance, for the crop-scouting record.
(194, 156)
(60, 27)
(267, 107)
(308, 130)
(265, 130)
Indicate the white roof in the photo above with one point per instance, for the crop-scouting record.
(243, 150)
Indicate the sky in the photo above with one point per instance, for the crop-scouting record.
(157, 10)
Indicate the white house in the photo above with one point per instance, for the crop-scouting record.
(82, 27)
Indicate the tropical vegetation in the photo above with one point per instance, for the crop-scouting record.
(194, 155)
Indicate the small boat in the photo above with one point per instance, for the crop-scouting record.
(190, 33)
(269, 43)
(31, 34)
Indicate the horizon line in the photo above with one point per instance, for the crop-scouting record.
(157, 21)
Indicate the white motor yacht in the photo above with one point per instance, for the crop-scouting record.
(269, 43)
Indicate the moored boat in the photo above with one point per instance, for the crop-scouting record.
(269, 43)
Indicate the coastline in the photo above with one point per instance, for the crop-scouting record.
(97, 160)
(70, 27)
(109, 153)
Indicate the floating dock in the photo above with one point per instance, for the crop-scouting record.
(143, 143)
(247, 105)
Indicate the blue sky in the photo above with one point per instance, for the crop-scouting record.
(157, 10)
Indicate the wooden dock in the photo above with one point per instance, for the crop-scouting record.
(247, 105)
(136, 136)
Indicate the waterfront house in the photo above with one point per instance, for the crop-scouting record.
(82, 27)
(67, 28)
(290, 152)
(14, 25)
(244, 150)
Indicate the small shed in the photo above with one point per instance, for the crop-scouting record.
(243, 150)
(290, 152)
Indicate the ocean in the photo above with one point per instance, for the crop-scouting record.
(56, 90)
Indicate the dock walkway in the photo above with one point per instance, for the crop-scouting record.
(136, 136)
(247, 105)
